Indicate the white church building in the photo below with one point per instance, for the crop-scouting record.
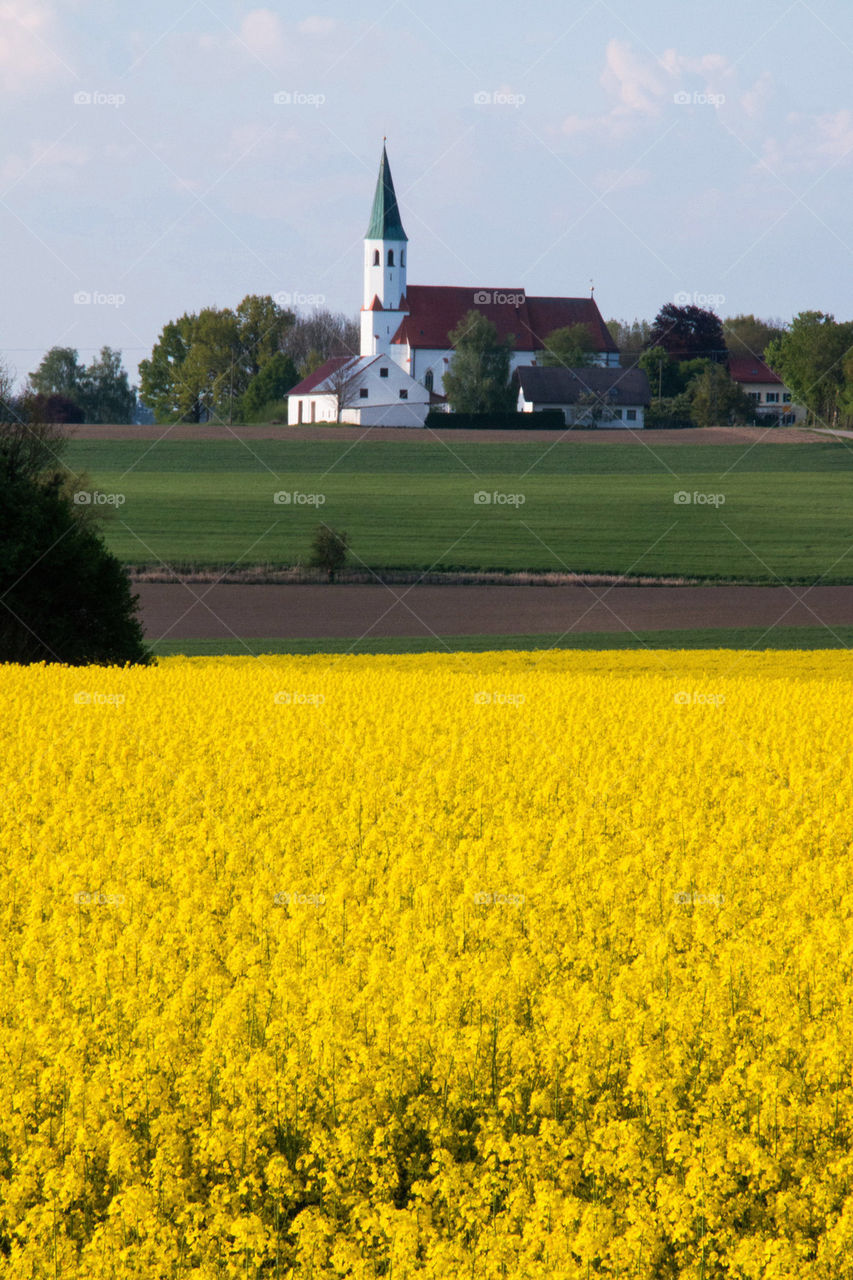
(409, 327)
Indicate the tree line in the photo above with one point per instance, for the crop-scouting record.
(238, 365)
(685, 351)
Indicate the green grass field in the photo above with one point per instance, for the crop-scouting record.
(787, 512)
(747, 638)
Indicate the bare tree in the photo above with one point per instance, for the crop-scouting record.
(317, 337)
(344, 384)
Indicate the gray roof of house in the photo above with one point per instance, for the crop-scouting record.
(566, 386)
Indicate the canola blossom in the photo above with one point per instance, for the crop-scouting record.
(532, 965)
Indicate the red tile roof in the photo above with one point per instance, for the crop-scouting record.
(436, 309)
(375, 305)
(319, 375)
(750, 369)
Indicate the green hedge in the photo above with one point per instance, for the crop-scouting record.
(543, 420)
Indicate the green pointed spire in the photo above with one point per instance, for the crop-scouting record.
(385, 222)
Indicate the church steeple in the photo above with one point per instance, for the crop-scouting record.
(384, 299)
(385, 220)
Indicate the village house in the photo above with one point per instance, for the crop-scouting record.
(592, 397)
(367, 391)
(772, 398)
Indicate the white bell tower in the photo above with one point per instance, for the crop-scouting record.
(385, 247)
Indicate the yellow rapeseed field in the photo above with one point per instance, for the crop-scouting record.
(501, 965)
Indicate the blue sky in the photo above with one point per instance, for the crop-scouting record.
(664, 150)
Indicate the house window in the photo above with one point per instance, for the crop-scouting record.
(313, 410)
(390, 257)
(376, 259)
(754, 395)
(404, 395)
(617, 413)
(299, 415)
(383, 373)
(362, 391)
(787, 397)
(429, 381)
(772, 397)
(631, 415)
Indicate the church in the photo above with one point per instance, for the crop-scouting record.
(408, 327)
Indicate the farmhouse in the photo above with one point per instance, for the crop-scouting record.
(772, 398)
(593, 397)
(369, 391)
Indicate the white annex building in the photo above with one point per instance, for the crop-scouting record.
(408, 326)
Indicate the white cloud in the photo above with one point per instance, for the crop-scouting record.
(27, 31)
(262, 33)
(812, 142)
(634, 79)
(756, 98)
(643, 86)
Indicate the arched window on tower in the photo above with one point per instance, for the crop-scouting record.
(429, 381)
(376, 259)
(390, 257)
(402, 257)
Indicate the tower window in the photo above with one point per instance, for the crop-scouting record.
(390, 257)
(429, 380)
(402, 257)
(376, 260)
(363, 393)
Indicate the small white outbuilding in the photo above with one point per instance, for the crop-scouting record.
(368, 391)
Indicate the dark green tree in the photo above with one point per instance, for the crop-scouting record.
(101, 390)
(63, 596)
(478, 376)
(60, 373)
(717, 401)
(329, 550)
(202, 364)
(812, 360)
(106, 391)
(271, 383)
